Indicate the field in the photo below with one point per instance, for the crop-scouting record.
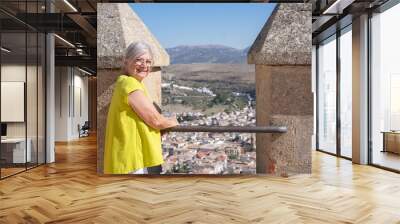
(207, 88)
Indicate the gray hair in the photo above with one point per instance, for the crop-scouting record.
(136, 49)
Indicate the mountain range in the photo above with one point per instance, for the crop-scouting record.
(209, 54)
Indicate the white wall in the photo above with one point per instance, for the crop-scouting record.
(61, 103)
(16, 73)
(33, 126)
(71, 88)
(80, 94)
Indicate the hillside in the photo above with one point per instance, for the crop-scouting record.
(208, 88)
(207, 54)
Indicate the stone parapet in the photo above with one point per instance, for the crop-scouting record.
(286, 37)
(282, 56)
(117, 27)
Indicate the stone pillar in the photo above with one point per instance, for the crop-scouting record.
(282, 56)
(117, 27)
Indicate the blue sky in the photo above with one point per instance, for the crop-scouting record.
(231, 24)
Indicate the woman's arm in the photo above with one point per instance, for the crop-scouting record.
(146, 110)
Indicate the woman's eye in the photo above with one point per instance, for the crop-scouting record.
(143, 61)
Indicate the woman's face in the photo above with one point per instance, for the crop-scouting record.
(141, 66)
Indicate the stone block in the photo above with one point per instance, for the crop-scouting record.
(286, 37)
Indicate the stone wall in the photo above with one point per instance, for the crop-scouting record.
(284, 98)
(117, 27)
(282, 55)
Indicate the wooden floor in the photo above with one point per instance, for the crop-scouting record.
(387, 159)
(10, 171)
(70, 191)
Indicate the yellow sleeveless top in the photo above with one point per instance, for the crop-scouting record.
(130, 144)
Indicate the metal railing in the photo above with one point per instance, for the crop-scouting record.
(219, 129)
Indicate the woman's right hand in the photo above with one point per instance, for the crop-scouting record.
(172, 122)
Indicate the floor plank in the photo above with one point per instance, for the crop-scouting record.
(70, 191)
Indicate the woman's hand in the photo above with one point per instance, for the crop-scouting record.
(172, 122)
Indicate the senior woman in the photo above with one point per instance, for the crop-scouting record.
(133, 141)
